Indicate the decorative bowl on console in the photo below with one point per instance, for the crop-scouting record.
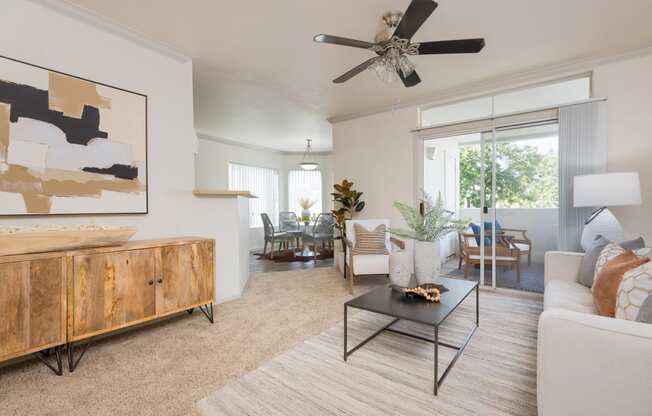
(39, 239)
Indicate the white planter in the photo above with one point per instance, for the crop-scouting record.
(427, 262)
(400, 268)
(305, 214)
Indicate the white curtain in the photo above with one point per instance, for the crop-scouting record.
(261, 182)
(304, 184)
(582, 151)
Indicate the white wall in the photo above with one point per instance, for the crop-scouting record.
(377, 152)
(213, 172)
(41, 36)
(628, 86)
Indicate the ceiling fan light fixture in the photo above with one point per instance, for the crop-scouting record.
(306, 162)
(405, 66)
(391, 62)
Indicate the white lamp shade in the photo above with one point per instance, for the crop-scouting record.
(607, 190)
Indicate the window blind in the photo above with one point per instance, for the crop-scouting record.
(304, 184)
(261, 182)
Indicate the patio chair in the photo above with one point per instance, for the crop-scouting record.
(508, 237)
(272, 236)
(321, 232)
(519, 240)
(506, 256)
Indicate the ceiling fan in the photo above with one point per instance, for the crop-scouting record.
(392, 52)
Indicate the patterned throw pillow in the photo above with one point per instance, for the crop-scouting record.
(607, 282)
(610, 252)
(632, 292)
(369, 242)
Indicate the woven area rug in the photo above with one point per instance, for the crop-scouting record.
(393, 374)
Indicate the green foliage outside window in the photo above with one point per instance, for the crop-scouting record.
(525, 178)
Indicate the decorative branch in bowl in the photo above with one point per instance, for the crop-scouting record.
(306, 204)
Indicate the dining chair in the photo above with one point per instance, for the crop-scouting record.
(289, 223)
(322, 231)
(272, 235)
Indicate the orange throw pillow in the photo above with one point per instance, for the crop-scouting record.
(605, 287)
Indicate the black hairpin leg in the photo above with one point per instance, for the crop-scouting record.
(72, 363)
(190, 311)
(208, 311)
(57, 367)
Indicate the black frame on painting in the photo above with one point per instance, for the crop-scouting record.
(146, 147)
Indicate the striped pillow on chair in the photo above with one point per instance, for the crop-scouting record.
(369, 242)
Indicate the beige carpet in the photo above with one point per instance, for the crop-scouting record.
(392, 374)
(165, 368)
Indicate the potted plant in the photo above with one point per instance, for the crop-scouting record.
(306, 204)
(348, 203)
(427, 225)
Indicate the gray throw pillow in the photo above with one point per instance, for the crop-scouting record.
(635, 244)
(645, 313)
(587, 267)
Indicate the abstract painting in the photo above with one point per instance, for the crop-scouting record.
(69, 145)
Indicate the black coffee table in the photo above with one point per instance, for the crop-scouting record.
(388, 302)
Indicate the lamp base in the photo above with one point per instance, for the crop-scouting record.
(601, 222)
(594, 215)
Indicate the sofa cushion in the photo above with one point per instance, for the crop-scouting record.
(605, 286)
(608, 253)
(602, 251)
(634, 289)
(645, 314)
(568, 295)
(587, 268)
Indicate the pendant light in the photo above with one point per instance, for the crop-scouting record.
(306, 162)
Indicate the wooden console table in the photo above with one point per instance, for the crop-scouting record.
(57, 299)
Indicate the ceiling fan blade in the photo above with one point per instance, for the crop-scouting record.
(451, 46)
(416, 14)
(410, 81)
(337, 40)
(355, 71)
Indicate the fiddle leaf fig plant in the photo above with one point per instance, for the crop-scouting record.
(429, 222)
(348, 203)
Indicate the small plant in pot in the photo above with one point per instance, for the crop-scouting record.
(306, 204)
(348, 203)
(427, 223)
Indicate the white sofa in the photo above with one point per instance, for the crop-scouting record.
(588, 364)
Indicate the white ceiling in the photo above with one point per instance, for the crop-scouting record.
(269, 44)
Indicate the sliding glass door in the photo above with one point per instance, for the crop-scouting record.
(504, 184)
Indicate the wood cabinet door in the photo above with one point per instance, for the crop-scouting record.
(32, 306)
(186, 276)
(113, 290)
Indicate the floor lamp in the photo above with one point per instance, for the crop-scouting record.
(601, 191)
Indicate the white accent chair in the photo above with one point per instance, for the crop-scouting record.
(368, 264)
(588, 364)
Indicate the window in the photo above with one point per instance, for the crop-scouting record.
(530, 98)
(543, 96)
(263, 183)
(304, 184)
